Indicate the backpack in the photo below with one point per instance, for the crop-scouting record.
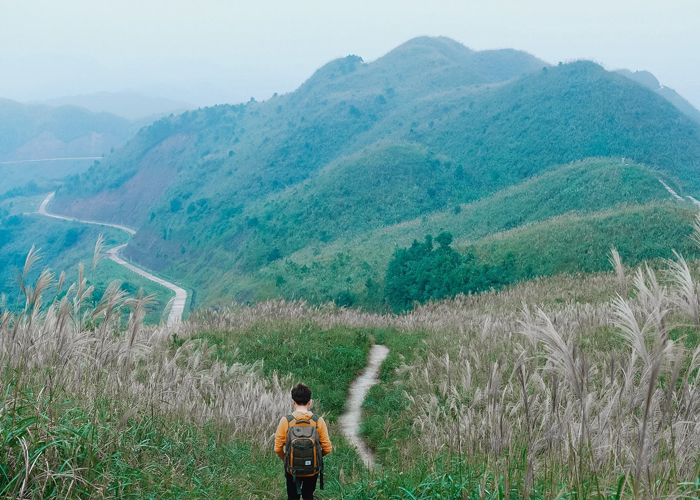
(303, 453)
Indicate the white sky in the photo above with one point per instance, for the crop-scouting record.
(209, 51)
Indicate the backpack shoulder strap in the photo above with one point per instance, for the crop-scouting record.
(315, 418)
(290, 417)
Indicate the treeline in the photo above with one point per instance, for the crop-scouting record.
(423, 272)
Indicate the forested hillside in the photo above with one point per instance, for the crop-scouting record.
(228, 197)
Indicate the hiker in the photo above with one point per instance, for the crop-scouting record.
(302, 441)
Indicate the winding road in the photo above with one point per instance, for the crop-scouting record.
(350, 420)
(178, 306)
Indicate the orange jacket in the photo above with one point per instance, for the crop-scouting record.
(283, 427)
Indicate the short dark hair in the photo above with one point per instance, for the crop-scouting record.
(301, 394)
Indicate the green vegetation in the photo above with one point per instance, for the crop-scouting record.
(581, 243)
(476, 398)
(363, 152)
(567, 244)
(63, 245)
(527, 369)
(377, 187)
(356, 267)
(421, 273)
(648, 80)
(327, 360)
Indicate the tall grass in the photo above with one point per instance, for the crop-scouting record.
(591, 399)
(561, 387)
(85, 400)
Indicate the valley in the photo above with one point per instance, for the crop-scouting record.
(177, 306)
(485, 266)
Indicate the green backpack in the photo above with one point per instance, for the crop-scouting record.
(303, 453)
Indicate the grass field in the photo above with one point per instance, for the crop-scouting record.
(571, 386)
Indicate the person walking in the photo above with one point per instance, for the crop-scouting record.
(302, 441)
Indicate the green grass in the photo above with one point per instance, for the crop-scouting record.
(63, 245)
(382, 424)
(582, 242)
(325, 360)
(361, 148)
(321, 272)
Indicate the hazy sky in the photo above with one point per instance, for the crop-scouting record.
(209, 51)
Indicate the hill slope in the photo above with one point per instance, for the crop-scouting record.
(39, 132)
(650, 81)
(360, 147)
(321, 272)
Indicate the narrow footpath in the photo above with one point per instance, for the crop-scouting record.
(677, 196)
(350, 420)
(178, 307)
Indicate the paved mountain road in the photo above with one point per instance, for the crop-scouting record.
(178, 306)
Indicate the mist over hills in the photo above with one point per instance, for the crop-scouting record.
(129, 105)
(30, 132)
(226, 197)
(650, 81)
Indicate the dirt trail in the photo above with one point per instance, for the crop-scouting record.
(670, 190)
(350, 420)
(178, 307)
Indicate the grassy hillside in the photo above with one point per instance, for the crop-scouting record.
(322, 271)
(561, 114)
(520, 394)
(379, 186)
(62, 245)
(648, 80)
(248, 151)
(577, 242)
(360, 147)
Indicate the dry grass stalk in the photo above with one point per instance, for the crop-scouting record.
(97, 255)
(619, 268)
(584, 397)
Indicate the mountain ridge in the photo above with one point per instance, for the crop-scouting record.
(261, 181)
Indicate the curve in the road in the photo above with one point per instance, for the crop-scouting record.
(178, 306)
(350, 420)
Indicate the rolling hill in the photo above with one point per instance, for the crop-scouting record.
(579, 190)
(650, 81)
(38, 132)
(226, 197)
(130, 105)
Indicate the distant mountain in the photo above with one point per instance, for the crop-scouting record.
(225, 197)
(650, 81)
(130, 105)
(30, 132)
(41, 132)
